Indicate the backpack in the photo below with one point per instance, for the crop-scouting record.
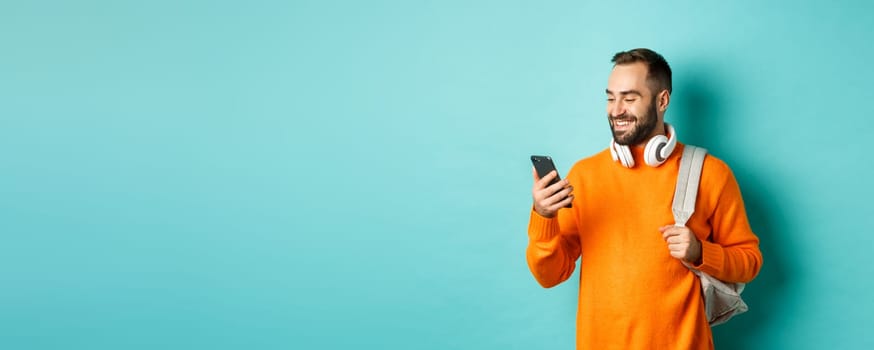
(722, 300)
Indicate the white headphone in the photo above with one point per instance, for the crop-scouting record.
(657, 150)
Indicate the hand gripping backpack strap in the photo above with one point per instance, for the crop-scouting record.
(722, 300)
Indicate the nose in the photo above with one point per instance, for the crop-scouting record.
(616, 109)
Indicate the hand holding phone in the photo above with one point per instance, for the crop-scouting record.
(550, 192)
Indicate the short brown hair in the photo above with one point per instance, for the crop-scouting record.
(658, 71)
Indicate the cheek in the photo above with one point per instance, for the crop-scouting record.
(639, 110)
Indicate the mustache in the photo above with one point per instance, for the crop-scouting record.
(624, 117)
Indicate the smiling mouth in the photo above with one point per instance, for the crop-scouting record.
(622, 124)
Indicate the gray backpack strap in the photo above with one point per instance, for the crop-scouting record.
(687, 183)
(722, 300)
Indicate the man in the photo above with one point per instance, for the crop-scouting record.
(636, 287)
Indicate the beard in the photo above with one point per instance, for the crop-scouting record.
(643, 126)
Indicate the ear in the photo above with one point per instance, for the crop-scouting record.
(663, 100)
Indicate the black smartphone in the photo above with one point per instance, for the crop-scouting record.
(543, 165)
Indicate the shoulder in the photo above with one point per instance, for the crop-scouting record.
(715, 173)
(714, 164)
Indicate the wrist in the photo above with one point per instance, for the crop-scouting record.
(542, 214)
(697, 256)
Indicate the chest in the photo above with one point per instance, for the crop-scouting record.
(624, 209)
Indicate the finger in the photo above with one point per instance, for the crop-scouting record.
(567, 191)
(678, 248)
(551, 190)
(545, 179)
(667, 227)
(677, 240)
(558, 196)
(675, 231)
(540, 184)
(546, 197)
(558, 186)
(534, 172)
(563, 203)
(669, 233)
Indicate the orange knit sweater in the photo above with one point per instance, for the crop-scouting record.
(633, 294)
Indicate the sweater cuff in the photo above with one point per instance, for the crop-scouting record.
(712, 258)
(541, 228)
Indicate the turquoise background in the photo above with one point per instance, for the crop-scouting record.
(327, 174)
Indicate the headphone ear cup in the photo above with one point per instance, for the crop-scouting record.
(652, 153)
(618, 153)
(629, 156)
(666, 152)
(625, 156)
(613, 151)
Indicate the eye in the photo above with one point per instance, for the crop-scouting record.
(610, 99)
(630, 100)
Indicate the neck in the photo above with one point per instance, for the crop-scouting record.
(660, 129)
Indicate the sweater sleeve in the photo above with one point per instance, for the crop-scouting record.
(553, 247)
(732, 253)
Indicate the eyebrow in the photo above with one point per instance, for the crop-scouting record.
(626, 92)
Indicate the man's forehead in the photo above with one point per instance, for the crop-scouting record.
(626, 77)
